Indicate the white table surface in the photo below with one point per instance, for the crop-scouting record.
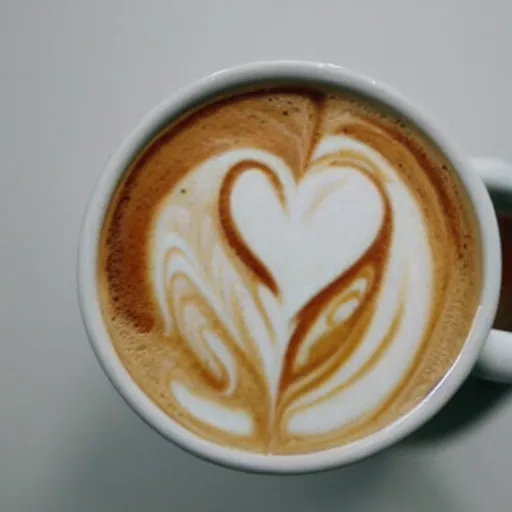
(74, 79)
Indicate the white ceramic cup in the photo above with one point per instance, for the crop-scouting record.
(489, 351)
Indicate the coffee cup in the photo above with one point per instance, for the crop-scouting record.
(380, 195)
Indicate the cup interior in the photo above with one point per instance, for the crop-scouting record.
(224, 83)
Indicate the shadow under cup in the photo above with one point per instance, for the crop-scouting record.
(342, 157)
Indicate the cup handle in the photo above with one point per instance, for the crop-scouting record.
(495, 361)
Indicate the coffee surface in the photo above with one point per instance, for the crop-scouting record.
(288, 270)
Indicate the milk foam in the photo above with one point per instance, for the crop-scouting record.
(305, 233)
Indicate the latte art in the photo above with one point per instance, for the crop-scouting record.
(288, 271)
(287, 266)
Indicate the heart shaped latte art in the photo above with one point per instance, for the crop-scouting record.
(301, 287)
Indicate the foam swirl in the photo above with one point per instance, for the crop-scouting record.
(310, 283)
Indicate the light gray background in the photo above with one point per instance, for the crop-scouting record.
(74, 79)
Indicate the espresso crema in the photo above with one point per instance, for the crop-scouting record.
(289, 270)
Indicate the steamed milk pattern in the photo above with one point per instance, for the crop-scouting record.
(283, 276)
(301, 270)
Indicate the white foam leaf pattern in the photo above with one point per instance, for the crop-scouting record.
(300, 236)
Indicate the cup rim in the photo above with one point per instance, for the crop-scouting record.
(172, 106)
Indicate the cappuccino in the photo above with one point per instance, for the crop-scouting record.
(287, 270)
